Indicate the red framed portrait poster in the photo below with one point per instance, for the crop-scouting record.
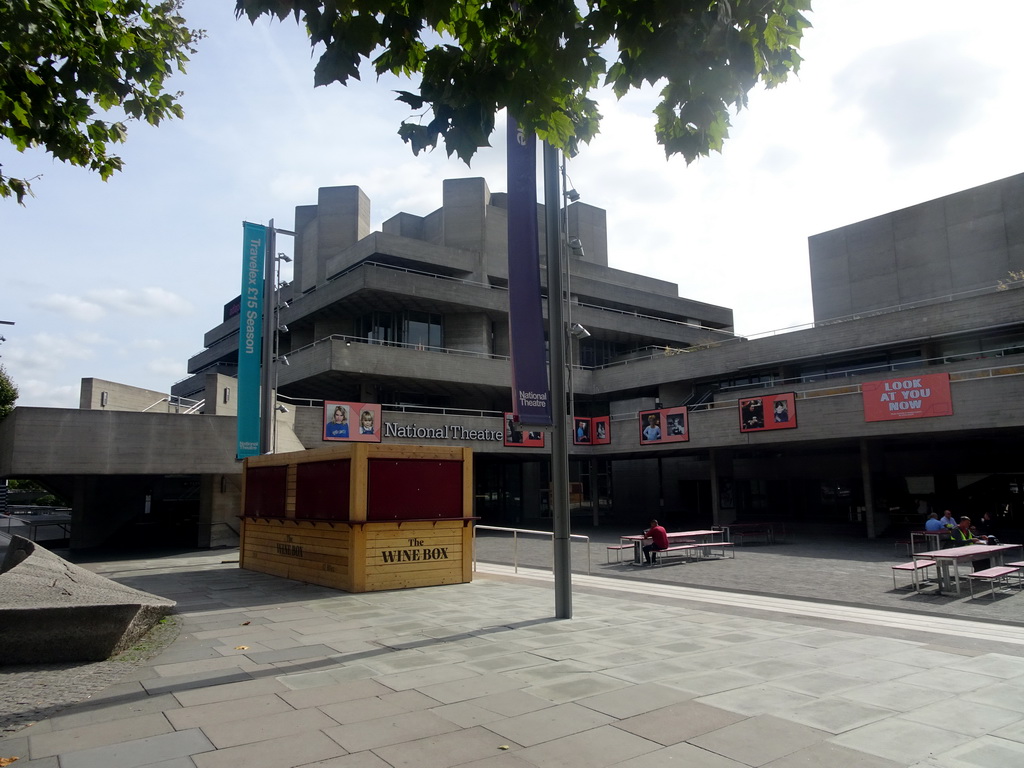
(759, 414)
(517, 437)
(909, 397)
(594, 430)
(664, 425)
(352, 422)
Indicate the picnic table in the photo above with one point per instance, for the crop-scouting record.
(740, 532)
(703, 536)
(34, 522)
(931, 540)
(955, 555)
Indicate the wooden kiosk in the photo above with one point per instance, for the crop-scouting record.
(360, 516)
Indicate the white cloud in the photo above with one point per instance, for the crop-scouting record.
(146, 302)
(73, 306)
(168, 368)
(917, 96)
(46, 393)
(48, 353)
(98, 303)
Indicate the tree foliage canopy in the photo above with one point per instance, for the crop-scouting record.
(62, 61)
(8, 393)
(542, 59)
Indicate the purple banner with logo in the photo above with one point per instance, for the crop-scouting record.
(531, 394)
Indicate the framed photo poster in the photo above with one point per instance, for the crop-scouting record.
(759, 414)
(664, 425)
(517, 437)
(352, 422)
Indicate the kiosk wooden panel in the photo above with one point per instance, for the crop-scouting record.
(402, 516)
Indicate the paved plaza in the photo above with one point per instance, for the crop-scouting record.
(652, 670)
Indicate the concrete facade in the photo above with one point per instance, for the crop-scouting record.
(957, 244)
(358, 296)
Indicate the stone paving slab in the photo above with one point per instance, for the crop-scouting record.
(480, 675)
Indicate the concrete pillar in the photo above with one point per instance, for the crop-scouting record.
(340, 219)
(590, 225)
(869, 495)
(304, 252)
(220, 505)
(465, 211)
(723, 504)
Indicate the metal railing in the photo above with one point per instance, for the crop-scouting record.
(515, 542)
(350, 340)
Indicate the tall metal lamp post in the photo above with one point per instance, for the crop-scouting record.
(268, 371)
(555, 243)
(279, 328)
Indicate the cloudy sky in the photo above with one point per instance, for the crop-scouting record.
(898, 102)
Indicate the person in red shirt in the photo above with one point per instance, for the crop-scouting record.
(659, 541)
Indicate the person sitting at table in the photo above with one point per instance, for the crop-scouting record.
(659, 541)
(963, 535)
(934, 524)
(947, 520)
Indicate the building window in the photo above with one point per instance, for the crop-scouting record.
(423, 330)
(597, 352)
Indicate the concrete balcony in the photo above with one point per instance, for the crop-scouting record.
(341, 365)
(224, 350)
(638, 329)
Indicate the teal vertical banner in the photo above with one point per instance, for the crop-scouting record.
(250, 338)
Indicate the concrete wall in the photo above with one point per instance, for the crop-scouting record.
(470, 332)
(220, 395)
(590, 225)
(962, 242)
(98, 394)
(69, 441)
(340, 219)
(465, 211)
(221, 507)
(306, 249)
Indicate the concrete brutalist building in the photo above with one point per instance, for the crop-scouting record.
(414, 317)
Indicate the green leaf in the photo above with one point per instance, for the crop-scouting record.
(62, 61)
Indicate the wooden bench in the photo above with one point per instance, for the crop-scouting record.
(914, 567)
(994, 576)
(617, 548)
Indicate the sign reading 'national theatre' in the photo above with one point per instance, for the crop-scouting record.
(912, 397)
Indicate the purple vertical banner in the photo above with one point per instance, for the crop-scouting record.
(531, 394)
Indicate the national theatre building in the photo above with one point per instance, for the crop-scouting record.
(900, 396)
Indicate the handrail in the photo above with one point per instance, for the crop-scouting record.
(640, 315)
(417, 347)
(396, 268)
(892, 367)
(515, 542)
(1002, 285)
